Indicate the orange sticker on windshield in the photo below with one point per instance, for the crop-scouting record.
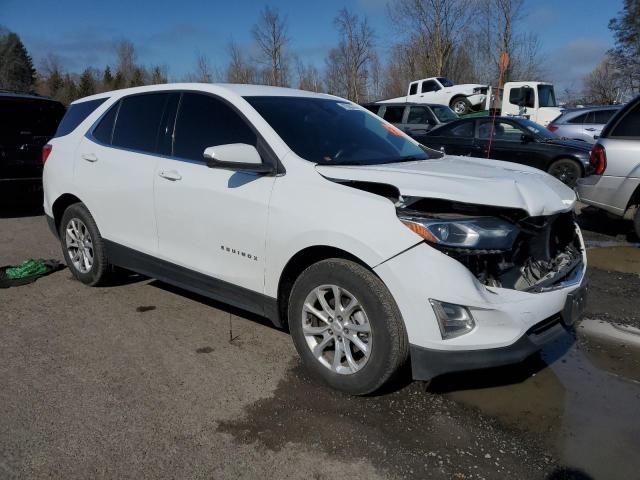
(392, 130)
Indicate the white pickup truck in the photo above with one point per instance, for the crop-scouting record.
(533, 100)
(442, 91)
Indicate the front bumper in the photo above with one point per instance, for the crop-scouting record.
(478, 99)
(507, 321)
(427, 363)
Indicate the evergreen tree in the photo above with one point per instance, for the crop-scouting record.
(107, 78)
(626, 54)
(118, 81)
(137, 77)
(55, 83)
(69, 90)
(158, 76)
(16, 66)
(87, 84)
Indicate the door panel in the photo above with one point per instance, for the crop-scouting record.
(211, 220)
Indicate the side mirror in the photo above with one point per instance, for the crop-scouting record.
(236, 156)
(524, 138)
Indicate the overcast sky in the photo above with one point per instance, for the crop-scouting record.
(573, 33)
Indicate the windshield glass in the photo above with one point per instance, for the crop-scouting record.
(335, 132)
(547, 96)
(537, 129)
(445, 82)
(444, 113)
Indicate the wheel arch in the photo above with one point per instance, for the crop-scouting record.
(60, 205)
(301, 261)
(566, 157)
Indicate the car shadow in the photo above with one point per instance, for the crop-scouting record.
(593, 219)
(214, 304)
(21, 206)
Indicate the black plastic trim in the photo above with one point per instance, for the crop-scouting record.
(196, 282)
(52, 226)
(429, 363)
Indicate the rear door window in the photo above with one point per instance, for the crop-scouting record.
(601, 117)
(420, 116)
(205, 121)
(413, 89)
(582, 118)
(76, 114)
(138, 122)
(393, 114)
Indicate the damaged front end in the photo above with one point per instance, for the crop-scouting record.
(502, 247)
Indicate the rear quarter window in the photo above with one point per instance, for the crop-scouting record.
(628, 123)
(76, 114)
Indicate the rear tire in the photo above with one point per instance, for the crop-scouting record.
(356, 347)
(636, 222)
(566, 170)
(82, 246)
(460, 105)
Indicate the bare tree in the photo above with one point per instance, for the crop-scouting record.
(204, 71)
(348, 65)
(435, 27)
(602, 85)
(126, 59)
(270, 35)
(308, 77)
(239, 70)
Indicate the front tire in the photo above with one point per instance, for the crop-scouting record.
(636, 222)
(82, 246)
(566, 170)
(346, 326)
(460, 105)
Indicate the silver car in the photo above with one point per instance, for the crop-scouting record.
(584, 124)
(615, 158)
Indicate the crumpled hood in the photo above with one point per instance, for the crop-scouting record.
(467, 180)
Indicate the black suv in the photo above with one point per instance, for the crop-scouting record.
(27, 122)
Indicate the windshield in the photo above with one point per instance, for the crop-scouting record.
(537, 129)
(445, 82)
(335, 132)
(547, 96)
(444, 113)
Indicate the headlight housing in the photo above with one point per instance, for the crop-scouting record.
(484, 233)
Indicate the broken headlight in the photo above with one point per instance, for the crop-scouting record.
(485, 233)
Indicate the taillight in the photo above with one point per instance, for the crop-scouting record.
(598, 159)
(552, 128)
(46, 151)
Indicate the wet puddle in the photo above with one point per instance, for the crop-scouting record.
(585, 403)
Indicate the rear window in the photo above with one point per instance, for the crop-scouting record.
(20, 118)
(138, 122)
(76, 114)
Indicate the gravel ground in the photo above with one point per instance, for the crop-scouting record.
(141, 380)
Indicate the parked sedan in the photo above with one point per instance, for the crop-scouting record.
(583, 123)
(515, 140)
(415, 119)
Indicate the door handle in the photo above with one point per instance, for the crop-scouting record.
(170, 175)
(89, 157)
(590, 129)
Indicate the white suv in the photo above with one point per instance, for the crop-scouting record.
(316, 213)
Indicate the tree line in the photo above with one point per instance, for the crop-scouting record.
(462, 39)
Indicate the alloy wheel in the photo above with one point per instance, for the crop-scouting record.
(336, 329)
(79, 245)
